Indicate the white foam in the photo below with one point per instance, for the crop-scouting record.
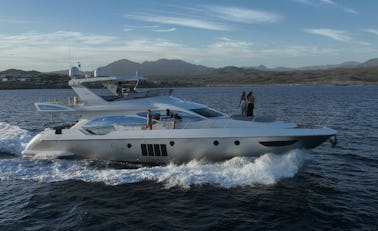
(237, 172)
(13, 139)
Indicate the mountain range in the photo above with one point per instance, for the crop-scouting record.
(179, 73)
(350, 64)
(175, 67)
(161, 67)
(174, 72)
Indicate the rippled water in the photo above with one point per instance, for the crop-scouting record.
(324, 189)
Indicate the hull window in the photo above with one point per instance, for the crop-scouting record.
(164, 150)
(154, 149)
(150, 149)
(278, 143)
(157, 149)
(144, 149)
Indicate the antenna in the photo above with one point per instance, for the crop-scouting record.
(69, 56)
(73, 72)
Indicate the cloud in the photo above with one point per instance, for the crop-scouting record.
(58, 37)
(15, 21)
(328, 2)
(243, 15)
(337, 35)
(52, 51)
(315, 2)
(226, 43)
(306, 2)
(207, 17)
(165, 30)
(181, 21)
(132, 27)
(372, 31)
(350, 11)
(154, 28)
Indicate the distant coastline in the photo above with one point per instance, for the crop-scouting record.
(336, 77)
(177, 73)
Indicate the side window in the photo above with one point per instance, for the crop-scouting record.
(162, 115)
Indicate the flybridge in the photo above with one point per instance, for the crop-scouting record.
(91, 98)
(105, 79)
(118, 86)
(111, 82)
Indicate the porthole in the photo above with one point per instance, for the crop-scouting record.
(172, 143)
(237, 142)
(216, 142)
(129, 145)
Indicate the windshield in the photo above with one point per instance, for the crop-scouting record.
(111, 120)
(207, 112)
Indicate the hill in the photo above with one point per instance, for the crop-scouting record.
(19, 79)
(350, 64)
(170, 67)
(370, 63)
(234, 76)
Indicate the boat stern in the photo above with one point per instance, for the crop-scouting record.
(30, 150)
(36, 148)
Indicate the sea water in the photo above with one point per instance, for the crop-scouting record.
(326, 188)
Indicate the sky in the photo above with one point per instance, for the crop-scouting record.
(50, 35)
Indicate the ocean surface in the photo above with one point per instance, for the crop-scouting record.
(322, 189)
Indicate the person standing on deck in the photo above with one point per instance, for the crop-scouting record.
(149, 119)
(243, 103)
(119, 89)
(250, 104)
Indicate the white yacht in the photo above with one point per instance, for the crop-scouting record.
(118, 128)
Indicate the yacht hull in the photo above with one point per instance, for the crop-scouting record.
(177, 146)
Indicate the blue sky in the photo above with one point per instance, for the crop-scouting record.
(48, 35)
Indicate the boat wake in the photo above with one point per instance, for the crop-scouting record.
(237, 172)
(13, 139)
